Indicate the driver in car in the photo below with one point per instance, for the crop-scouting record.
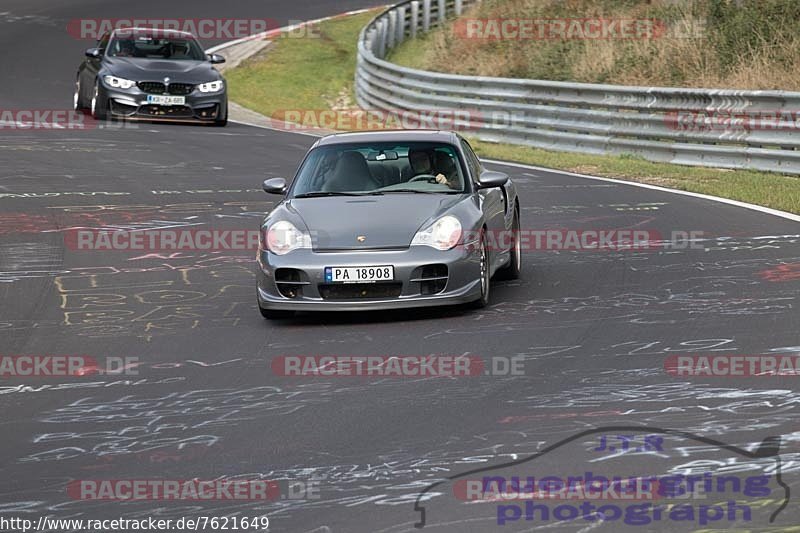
(125, 48)
(421, 165)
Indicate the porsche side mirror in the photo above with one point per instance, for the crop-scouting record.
(94, 53)
(490, 179)
(275, 186)
(216, 58)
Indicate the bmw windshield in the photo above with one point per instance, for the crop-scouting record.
(155, 45)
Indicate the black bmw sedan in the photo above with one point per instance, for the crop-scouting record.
(150, 74)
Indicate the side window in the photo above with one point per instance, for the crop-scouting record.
(472, 160)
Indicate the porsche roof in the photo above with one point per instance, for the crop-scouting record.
(390, 136)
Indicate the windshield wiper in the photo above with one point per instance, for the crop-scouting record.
(327, 193)
(417, 191)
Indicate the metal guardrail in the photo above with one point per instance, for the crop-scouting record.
(682, 126)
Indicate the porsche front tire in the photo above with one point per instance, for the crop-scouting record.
(485, 278)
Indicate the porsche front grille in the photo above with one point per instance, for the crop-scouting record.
(358, 291)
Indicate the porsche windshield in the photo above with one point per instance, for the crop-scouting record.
(155, 45)
(383, 168)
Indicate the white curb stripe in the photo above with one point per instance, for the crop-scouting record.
(267, 34)
(737, 203)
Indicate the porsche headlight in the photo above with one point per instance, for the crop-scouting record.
(282, 237)
(442, 234)
(118, 83)
(211, 86)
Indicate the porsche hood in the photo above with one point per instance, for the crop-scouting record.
(369, 222)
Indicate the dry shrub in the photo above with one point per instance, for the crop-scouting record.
(746, 44)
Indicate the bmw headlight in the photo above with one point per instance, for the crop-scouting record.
(211, 86)
(282, 237)
(118, 83)
(442, 234)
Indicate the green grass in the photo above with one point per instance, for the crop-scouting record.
(312, 73)
(411, 51)
(300, 73)
(761, 188)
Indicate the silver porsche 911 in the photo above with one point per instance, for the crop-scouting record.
(384, 220)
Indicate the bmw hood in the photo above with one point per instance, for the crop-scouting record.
(182, 71)
(390, 221)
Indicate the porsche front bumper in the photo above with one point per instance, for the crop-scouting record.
(423, 276)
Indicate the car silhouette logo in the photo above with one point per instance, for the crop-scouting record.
(768, 448)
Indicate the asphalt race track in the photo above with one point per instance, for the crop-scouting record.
(593, 330)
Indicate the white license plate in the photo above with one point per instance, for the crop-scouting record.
(165, 99)
(365, 274)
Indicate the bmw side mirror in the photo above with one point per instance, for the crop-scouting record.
(216, 59)
(490, 179)
(94, 53)
(275, 186)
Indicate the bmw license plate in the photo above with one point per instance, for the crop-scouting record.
(365, 274)
(165, 99)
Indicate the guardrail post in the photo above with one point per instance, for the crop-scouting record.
(426, 15)
(401, 24)
(442, 12)
(382, 38)
(392, 32)
(372, 42)
(414, 22)
(458, 8)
